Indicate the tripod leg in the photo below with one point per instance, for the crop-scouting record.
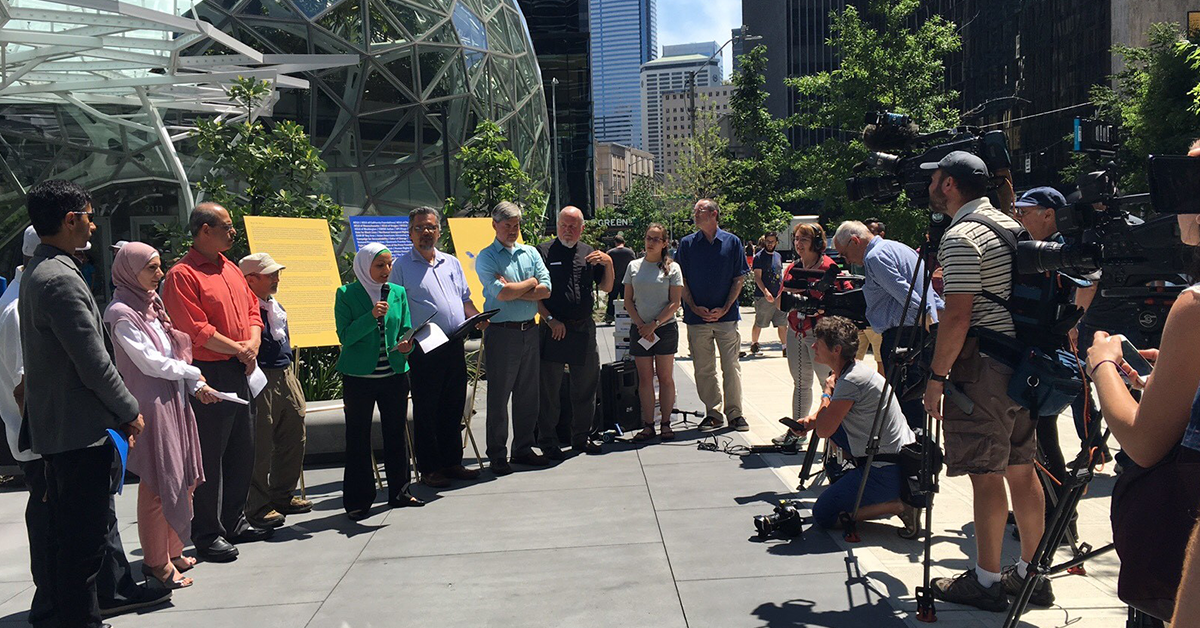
(809, 457)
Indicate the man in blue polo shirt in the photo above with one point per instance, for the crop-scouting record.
(714, 265)
(436, 286)
(514, 279)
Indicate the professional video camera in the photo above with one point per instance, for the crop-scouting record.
(785, 521)
(837, 298)
(898, 149)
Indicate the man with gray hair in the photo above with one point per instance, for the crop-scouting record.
(514, 280)
(889, 267)
(436, 286)
(568, 334)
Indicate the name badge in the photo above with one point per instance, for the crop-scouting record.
(556, 263)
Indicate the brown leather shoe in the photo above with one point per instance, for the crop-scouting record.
(268, 521)
(294, 507)
(459, 472)
(435, 479)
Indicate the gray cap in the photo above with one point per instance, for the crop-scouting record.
(960, 165)
(30, 242)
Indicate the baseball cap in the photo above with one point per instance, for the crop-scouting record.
(261, 263)
(1042, 197)
(31, 241)
(960, 165)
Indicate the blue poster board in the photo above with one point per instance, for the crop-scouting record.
(390, 231)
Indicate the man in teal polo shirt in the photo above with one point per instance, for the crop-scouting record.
(514, 279)
(714, 265)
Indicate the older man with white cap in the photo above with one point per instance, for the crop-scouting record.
(279, 433)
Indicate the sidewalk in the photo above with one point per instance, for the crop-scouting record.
(896, 563)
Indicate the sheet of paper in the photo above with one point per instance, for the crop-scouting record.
(646, 344)
(258, 381)
(431, 337)
(408, 335)
(230, 397)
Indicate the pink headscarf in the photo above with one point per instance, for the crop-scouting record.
(128, 263)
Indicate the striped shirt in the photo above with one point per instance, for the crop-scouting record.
(975, 259)
(383, 368)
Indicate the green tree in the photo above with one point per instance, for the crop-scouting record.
(1154, 104)
(758, 185)
(259, 170)
(644, 203)
(492, 173)
(885, 64)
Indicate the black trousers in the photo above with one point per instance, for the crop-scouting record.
(226, 431)
(618, 292)
(361, 395)
(914, 410)
(69, 556)
(114, 582)
(439, 397)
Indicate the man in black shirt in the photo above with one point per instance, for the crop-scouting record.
(568, 332)
(621, 256)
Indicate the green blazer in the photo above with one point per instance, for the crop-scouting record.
(359, 332)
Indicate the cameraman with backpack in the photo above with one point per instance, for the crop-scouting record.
(994, 440)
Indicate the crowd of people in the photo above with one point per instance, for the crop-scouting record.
(200, 383)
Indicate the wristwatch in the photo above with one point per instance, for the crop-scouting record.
(549, 317)
(934, 377)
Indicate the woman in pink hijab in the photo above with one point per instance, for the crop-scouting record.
(155, 361)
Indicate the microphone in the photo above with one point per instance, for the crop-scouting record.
(383, 296)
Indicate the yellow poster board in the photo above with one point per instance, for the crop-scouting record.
(470, 236)
(308, 285)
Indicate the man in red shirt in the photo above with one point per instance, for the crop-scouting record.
(208, 299)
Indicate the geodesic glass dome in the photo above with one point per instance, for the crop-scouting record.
(430, 70)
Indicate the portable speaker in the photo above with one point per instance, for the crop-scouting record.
(619, 403)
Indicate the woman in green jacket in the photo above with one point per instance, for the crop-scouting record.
(374, 371)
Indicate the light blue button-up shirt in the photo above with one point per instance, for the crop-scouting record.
(437, 289)
(889, 267)
(517, 265)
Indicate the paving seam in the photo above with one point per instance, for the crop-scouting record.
(761, 577)
(663, 544)
(442, 496)
(19, 592)
(177, 609)
(348, 568)
(543, 548)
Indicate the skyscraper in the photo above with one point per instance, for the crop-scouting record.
(624, 36)
(670, 74)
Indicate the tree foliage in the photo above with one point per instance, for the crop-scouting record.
(258, 170)
(884, 64)
(1154, 103)
(644, 203)
(757, 185)
(492, 173)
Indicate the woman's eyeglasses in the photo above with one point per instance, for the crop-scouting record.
(654, 239)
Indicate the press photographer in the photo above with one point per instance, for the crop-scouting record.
(889, 268)
(847, 415)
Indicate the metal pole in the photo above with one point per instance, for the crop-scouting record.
(446, 149)
(554, 137)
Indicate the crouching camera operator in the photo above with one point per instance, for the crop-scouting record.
(846, 415)
(1154, 505)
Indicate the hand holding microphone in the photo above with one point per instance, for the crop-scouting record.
(381, 307)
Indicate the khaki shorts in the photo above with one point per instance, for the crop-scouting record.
(999, 433)
(766, 313)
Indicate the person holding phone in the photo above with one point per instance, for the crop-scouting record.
(371, 316)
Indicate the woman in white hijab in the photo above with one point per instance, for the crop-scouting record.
(372, 316)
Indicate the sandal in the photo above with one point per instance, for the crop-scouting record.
(666, 432)
(183, 563)
(181, 582)
(646, 434)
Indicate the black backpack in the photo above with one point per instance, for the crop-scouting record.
(1046, 376)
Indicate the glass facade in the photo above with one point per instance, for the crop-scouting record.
(624, 36)
(429, 71)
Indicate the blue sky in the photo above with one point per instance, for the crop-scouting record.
(685, 21)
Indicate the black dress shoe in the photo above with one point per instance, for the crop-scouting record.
(531, 460)
(459, 472)
(553, 453)
(588, 447)
(219, 551)
(405, 501)
(500, 466)
(252, 534)
(143, 597)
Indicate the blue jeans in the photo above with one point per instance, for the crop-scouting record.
(883, 485)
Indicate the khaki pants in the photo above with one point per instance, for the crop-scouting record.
(727, 341)
(278, 442)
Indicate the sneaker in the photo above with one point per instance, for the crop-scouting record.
(966, 589)
(1042, 594)
(788, 438)
(911, 519)
(711, 423)
(739, 424)
(753, 348)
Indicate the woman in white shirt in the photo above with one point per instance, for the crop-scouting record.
(653, 290)
(154, 359)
